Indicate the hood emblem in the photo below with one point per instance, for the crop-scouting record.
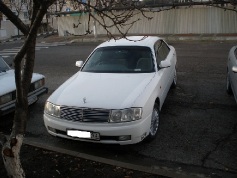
(84, 100)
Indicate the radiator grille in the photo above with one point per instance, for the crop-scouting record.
(84, 114)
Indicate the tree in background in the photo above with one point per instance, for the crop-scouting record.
(21, 8)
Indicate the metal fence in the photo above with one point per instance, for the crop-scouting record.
(193, 20)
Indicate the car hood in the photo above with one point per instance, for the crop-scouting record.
(7, 81)
(100, 90)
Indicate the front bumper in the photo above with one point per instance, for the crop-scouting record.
(109, 132)
(32, 98)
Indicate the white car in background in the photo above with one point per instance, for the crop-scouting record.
(232, 72)
(117, 95)
(8, 88)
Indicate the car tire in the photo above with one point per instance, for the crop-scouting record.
(155, 120)
(228, 85)
(174, 83)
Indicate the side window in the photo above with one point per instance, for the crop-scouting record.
(162, 51)
(156, 49)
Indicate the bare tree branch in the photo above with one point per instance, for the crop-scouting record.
(13, 18)
(124, 5)
(223, 7)
(104, 11)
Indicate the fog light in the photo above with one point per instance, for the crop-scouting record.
(124, 137)
(52, 129)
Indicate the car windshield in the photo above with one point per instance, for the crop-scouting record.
(3, 65)
(120, 59)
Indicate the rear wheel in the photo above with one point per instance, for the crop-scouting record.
(155, 119)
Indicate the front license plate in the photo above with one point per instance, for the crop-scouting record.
(83, 134)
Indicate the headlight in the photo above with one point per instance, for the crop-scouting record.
(39, 83)
(52, 109)
(126, 115)
(5, 98)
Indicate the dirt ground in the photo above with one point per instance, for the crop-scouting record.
(40, 163)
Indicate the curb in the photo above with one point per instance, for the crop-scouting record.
(184, 37)
(47, 33)
(201, 38)
(23, 37)
(12, 39)
(167, 37)
(171, 170)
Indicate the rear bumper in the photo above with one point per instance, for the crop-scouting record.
(32, 98)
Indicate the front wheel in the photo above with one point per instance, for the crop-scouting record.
(155, 119)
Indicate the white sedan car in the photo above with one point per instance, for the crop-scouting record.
(8, 88)
(117, 95)
(232, 72)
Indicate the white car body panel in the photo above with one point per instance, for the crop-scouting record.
(114, 91)
(7, 80)
(8, 87)
(232, 62)
(88, 85)
(133, 41)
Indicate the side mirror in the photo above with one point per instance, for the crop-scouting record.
(234, 69)
(164, 64)
(79, 63)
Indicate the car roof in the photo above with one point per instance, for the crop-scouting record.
(148, 41)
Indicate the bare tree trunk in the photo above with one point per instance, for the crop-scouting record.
(11, 158)
(11, 148)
